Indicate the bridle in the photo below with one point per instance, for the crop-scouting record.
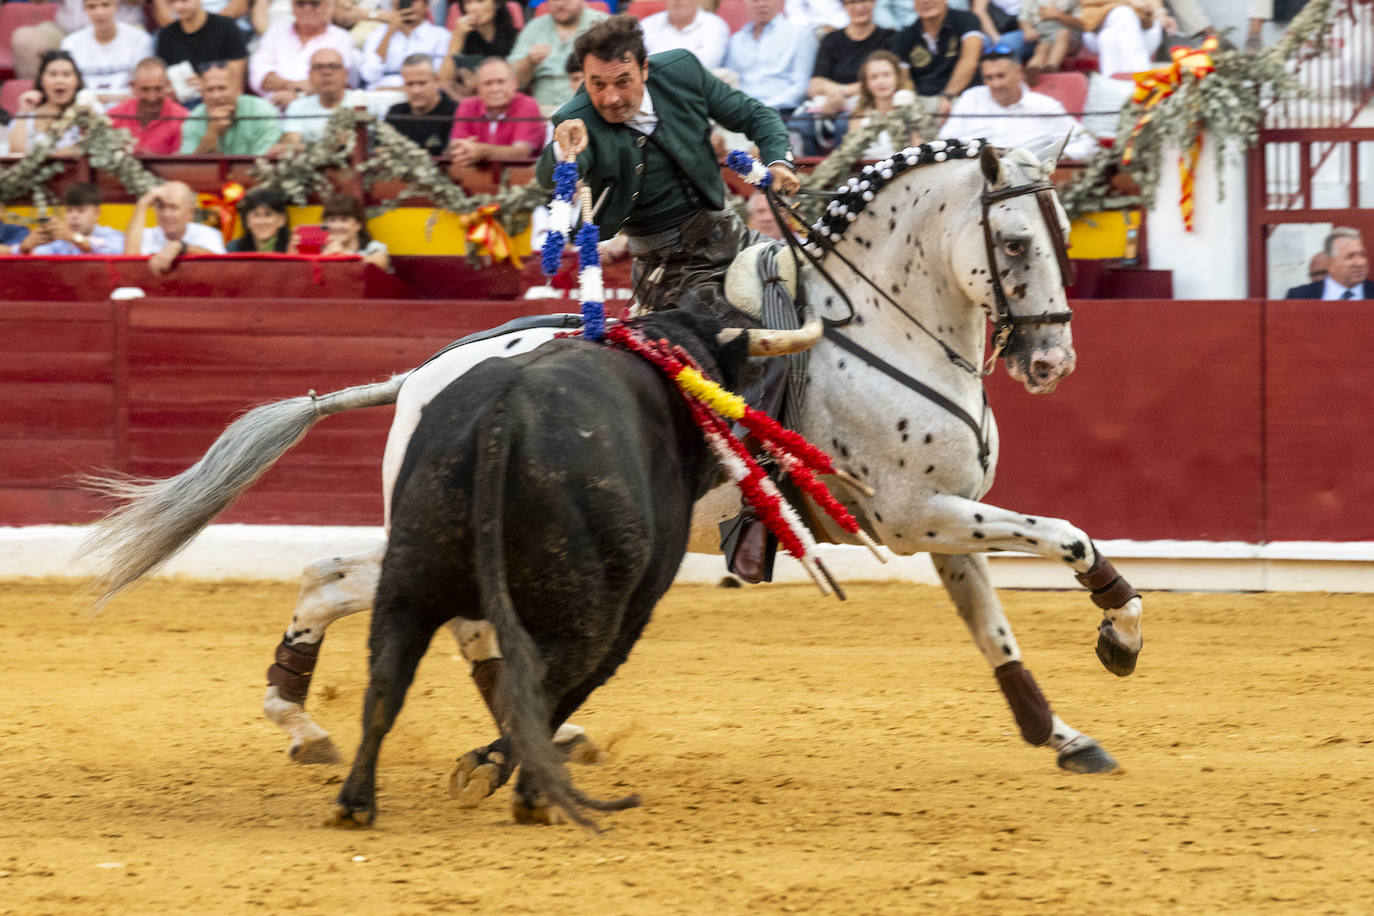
(1004, 323)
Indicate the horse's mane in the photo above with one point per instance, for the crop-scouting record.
(859, 191)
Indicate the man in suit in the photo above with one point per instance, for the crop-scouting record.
(1347, 272)
(640, 129)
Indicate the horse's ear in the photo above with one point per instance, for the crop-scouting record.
(991, 165)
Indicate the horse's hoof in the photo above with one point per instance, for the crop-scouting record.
(537, 813)
(348, 818)
(315, 750)
(1115, 657)
(1086, 756)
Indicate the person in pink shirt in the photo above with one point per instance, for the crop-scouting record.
(279, 70)
(497, 123)
(151, 115)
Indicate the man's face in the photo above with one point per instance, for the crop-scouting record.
(150, 87)
(100, 12)
(931, 9)
(217, 89)
(495, 86)
(762, 12)
(81, 219)
(616, 87)
(421, 88)
(185, 10)
(1003, 79)
(175, 206)
(1317, 268)
(681, 7)
(311, 15)
(860, 11)
(565, 12)
(327, 73)
(761, 218)
(1349, 266)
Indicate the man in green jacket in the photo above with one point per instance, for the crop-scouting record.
(641, 133)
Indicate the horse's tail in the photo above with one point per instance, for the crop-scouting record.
(157, 518)
(522, 708)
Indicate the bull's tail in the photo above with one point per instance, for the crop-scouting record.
(521, 704)
(157, 518)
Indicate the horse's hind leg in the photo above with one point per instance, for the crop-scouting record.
(965, 578)
(956, 525)
(331, 589)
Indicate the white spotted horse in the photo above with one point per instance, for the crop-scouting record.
(909, 261)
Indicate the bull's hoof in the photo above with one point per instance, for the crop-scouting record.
(1115, 657)
(537, 813)
(349, 818)
(477, 774)
(1086, 756)
(580, 749)
(315, 750)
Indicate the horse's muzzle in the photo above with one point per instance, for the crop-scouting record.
(1042, 370)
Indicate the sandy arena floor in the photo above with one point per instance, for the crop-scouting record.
(794, 755)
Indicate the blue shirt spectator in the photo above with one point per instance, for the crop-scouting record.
(773, 57)
(10, 237)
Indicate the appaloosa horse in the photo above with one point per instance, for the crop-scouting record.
(910, 259)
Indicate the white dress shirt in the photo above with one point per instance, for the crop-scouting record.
(1042, 121)
(426, 38)
(706, 36)
(282, 52)
(1333, 290)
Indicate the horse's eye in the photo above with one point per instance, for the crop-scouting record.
(1014, 249)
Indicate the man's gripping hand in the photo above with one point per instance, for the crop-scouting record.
(571, 137)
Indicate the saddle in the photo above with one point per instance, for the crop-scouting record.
(748, 275)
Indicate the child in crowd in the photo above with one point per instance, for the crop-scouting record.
(79, 231)
(346, 226)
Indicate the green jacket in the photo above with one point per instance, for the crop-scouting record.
(686, 97)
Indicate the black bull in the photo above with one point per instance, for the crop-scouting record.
(551, 495)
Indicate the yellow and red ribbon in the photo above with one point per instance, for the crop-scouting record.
(1153, 87)
(487, 231)
(226, 202)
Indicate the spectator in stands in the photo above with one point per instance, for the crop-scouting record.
(280, 69)
(942, 47)
(542, 49)
(106, 51)
(79, 231)
(1347, 274)
(1124, 36)
(55, 91)
(497, 124)
(773, 57)
(1006, 112)
(306, 117)
(1000, 20)
(12, 236)
(834, 85)
(409, 32)
(760, 218)
(1318, 267)
(684, 24)
(29, 42)
(174, 205)
(199, 38)
(573, 68)
(1055, 30)
(898, 14)
(346, 225)
(152, 115)
(265, 223)
(228, 121)
(484, 30)
(883, 86)
(820, 16)
(426, 116)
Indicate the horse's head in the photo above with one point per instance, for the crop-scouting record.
(1012, 261)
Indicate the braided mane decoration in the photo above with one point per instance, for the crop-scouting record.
(855, 194)
(711, 406)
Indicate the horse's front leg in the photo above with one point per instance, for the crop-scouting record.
(331, 589)
(965, 578)
(957, 525)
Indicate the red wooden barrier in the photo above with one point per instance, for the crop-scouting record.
(1239, 420)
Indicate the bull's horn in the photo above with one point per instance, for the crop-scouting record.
(773, 342)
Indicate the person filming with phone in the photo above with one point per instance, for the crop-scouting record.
(176, 234)
(409, 32)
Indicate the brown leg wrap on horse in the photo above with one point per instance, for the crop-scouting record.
(486, 674)
(293, 669)
(1028, 704)
(1110, 590)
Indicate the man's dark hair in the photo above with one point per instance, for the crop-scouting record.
(574, 64)
(611, 40)
(1001, 52)
(81, 194)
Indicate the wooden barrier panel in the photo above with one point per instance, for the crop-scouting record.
(1239, 420)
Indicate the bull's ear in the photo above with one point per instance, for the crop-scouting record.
(991, 165)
